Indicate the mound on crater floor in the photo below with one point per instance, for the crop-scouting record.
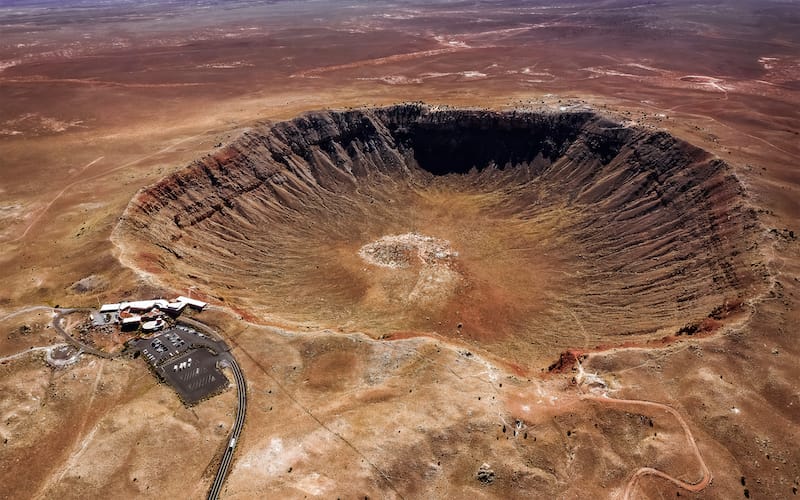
(526, 232)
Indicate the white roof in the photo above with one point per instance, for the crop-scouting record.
(144, 305)
(109, 308)
(192, 302)
(176, 305)
(152, 325)
(131, 319)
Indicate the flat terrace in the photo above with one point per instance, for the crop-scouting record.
(187, 360)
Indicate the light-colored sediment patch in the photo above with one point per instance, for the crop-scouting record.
(396, 58)
(530, 71)
(39, 124)
(9, 212)
(272, 459)
(226, 65)
(395, 251)
(451, 42)
(470, 74)
(48, 349)
(61, 355)
(608, 72)
(4, 65)
(279, 457)
(394, 80)
(645, 67)
(768, 62)
(15, 214)
(437, 278)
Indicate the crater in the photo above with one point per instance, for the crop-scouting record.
(527, 233)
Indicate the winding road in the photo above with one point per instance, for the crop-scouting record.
(649, 471)
(241, 384)
(241, 408)
(69, 338)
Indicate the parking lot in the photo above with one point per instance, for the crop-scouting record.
(187, 360)
(173, 342)
(194, 375)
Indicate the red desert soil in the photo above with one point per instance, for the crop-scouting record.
(358, 386)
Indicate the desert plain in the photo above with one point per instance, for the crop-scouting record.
(503, 331)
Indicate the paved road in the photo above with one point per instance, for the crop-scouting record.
(241, 408)
(241, 390)
(202, 327)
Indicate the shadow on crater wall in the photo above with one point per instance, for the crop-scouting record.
(572, 231)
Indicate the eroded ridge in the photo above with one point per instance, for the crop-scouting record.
(572, 230)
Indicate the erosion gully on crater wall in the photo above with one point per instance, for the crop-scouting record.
(527, 233)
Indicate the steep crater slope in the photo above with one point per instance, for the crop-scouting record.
(527, 233)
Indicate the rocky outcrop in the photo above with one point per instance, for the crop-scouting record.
(650, 231)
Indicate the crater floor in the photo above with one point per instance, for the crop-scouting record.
(526, 233)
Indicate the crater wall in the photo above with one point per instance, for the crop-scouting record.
(570, 230)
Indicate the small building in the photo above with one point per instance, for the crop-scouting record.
(154, 325)
(196, 304)
(151, 315)
(131, 322)
(176, 307)
(144, 305)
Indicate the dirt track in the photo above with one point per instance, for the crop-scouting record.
(649, 471)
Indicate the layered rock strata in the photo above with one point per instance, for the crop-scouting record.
(566, 229)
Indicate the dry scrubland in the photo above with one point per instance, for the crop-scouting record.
(654, 238)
